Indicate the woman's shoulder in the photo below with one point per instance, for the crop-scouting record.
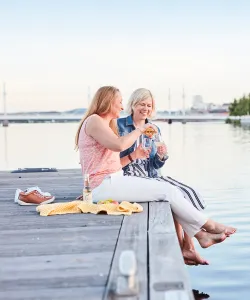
(93, 118)
(92, 122)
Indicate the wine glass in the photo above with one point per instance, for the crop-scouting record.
(146, 142)
(158, 140)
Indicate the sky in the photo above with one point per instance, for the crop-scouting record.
(51, 51)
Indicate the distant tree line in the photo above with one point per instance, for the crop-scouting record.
(240, 107)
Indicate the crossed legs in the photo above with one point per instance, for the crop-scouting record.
(190, 256)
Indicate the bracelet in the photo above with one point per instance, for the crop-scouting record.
(130, 157)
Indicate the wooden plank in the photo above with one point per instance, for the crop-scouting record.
(30, 176)
(65, 293)
(71, 235)
(133, 236)
(54, 265)
(168, 276)
(57, 186)
(33, 220)
(93, 245)
(14, 182)
(65, 279)
(61, 172)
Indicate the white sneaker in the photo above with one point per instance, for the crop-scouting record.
(17, 195)
(34, 188)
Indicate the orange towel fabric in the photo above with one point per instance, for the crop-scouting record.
(76, 207)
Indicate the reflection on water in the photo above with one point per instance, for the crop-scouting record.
(38, 145)
(214, 157)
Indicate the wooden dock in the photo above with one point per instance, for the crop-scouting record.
(76, 256)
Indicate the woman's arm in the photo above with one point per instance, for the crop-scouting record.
(125, 160)
(99, 130)
(160, 157)
(139, 152)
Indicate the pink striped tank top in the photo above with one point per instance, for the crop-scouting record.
(95, 159)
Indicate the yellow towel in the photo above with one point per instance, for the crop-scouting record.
(125, 206)
(76, 207)
(59, 208)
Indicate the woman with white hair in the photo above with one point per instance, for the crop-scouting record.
(146, 163)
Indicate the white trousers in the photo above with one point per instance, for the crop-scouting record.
(136, 189)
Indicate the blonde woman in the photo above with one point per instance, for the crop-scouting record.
(141, 108)
(100, 146)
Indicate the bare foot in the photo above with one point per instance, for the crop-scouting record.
(190, 262)
(192, 255)
(207, 239)
(215, 227)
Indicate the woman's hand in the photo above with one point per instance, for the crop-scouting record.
(146, 127)
(162, 150)
(140, 153)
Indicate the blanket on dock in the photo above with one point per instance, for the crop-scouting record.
(77, 207)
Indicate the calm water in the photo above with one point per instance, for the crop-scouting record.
(214, 157)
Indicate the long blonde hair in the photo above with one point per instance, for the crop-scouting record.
(100, 105)
(138, 96)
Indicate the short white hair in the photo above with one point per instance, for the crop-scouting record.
(138, 96)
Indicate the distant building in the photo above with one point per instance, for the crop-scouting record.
(226, 106)
(198, 104)
(211, 106)
(197, 99)
(201, 107)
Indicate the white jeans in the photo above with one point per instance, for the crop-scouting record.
(136, 189)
